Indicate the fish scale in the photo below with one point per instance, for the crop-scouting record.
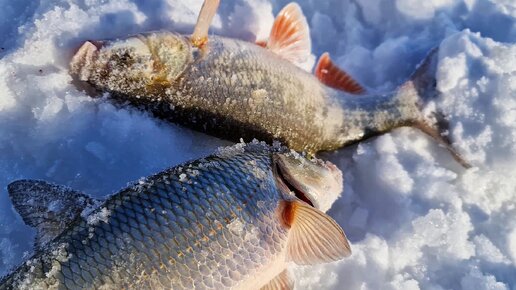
(148, 240)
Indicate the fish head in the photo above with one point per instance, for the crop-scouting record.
(316, 182)
(140, 65)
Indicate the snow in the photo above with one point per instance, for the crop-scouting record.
(100, 216)
(416, 219)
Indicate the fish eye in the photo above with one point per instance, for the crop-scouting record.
(123, 58)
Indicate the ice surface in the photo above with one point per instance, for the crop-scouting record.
(415, 218)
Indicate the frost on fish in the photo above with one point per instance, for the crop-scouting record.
(235, 224)
(33, 278)
(101, 215)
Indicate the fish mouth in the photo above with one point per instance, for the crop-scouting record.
(316, 182)
(288, 185)
(83, 61)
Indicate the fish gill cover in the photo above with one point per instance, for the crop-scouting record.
(416, 219)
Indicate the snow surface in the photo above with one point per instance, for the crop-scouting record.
(415, 218)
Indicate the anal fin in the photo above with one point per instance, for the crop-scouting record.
(47, 207)
(280, 282)
(314, 236)
(331, 75)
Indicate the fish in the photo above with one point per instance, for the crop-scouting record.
(232, 220)
(234, 89)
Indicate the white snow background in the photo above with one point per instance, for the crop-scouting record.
(415, 218)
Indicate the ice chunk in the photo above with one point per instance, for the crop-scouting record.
(476, 280)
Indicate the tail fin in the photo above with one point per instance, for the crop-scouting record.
(424, 84)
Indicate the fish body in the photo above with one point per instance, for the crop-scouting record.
(224, 222)
(236, 89)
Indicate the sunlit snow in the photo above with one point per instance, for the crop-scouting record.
(415, 218)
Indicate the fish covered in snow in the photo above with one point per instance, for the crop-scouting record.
(236, 89)
(232, 220)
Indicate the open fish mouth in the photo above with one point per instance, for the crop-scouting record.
(315, 182)
(285, 184)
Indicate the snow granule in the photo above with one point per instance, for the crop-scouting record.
(101, 215)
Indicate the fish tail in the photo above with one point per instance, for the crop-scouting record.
(422, 86)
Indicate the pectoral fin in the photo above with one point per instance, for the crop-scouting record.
(208, 10)
(280, 282)
(290, 35)
(47, 207)
(314, 236)
(331, 75)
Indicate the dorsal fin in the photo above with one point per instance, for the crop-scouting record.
(280, 282)
(290, 35)
(331, 75)
(208, 10)
(47, 207)
(314, 236)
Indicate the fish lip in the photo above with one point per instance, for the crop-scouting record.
(82, 62)
(288, 185)
(97, 43)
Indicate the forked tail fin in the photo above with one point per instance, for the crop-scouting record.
(423, 84)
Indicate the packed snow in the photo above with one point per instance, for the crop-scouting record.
(415, 218)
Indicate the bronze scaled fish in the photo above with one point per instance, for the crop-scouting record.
(230, 221)
(235, 89)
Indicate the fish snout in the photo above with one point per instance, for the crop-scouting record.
(97, 43)
(316, 182)
(334, 171)
(84, 59)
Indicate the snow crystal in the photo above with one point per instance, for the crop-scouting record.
(101, 215)
(476, 280)
(236, 226)
(488, 251)
(182, 177)
(228, 151)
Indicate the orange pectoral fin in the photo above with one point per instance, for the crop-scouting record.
(208, 10)
(290, 35)
(280, 282)
(331, 75)
(314, 236)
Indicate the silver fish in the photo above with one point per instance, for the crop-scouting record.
(236, 89)
(229, 221)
